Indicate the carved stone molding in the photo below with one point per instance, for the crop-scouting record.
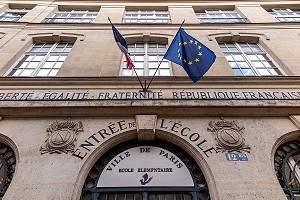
(61, 137)
(146, 125)
(228, 135)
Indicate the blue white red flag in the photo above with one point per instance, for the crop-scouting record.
(121, 42)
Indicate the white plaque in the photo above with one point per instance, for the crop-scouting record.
(145, 166)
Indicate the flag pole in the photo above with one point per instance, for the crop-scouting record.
(162, 59)
(133, 67)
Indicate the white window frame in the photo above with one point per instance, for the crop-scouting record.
(13, 15)
(143, 68)
(286, 15)
(146, 17)
(220, 16)
(264, 60)
(85, 16)
(35, 61)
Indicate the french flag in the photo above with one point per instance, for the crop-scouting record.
(122, 45)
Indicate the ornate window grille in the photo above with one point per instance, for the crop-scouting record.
(7, 167)
(146, 17)
(13, 15)
(220, 16)
(287, 168)
(198, 192)
(286, 15)
(146, 57)
(43, 59)
(73, 16)
(248, 59)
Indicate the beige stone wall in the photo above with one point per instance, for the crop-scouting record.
(98, 40)
(58, 179)
(92, 67)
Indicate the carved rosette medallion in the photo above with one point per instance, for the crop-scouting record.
(228, 135)
(61, 137)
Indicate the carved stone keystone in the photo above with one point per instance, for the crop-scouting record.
(61, 137)
(228, 135)
(146, 125)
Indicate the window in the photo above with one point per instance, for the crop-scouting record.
(44, 59)
(286, 15)
(287, 168)
(219, 16)
(13, 15)
(146, 57)
(73, 16)
(151, 17)
(248, 59)
(103, 184)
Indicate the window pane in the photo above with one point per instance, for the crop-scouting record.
(153, 64)
(252, 57)
(27, 72)
(243, 65)
(139, 72)
(152, 71)
(58, 65)
(48, 65)
(164, 72)
(164, 65)
(238, 57)
(16, 73)
(152, 58)
(126, 72)
(32, 65)
(139, 65)
(38, 58)
(233, 65)
(53, 72)
(52, 58)
(263, 72)
(28, 58)
(139, 58)
(23, 65)
(247, 72)
(258, 64)
(229, 58)
(62, 58)
(263, 57)
(237, 72)
(43, 72)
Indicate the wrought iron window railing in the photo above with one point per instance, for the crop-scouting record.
(7, 167)
(287, 168)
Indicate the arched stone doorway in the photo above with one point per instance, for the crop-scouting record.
(166, 172)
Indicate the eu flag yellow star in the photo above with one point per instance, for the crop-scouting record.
(185, 43)
(191, 41)
(190, 62)
(199, 47)
(200, 54)
(196, 42)
(197, 60)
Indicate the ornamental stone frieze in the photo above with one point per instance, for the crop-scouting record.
(228, 135)
(61, 137)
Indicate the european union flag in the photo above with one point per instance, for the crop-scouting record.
(192, 55)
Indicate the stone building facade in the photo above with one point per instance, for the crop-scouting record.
(75, 123)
